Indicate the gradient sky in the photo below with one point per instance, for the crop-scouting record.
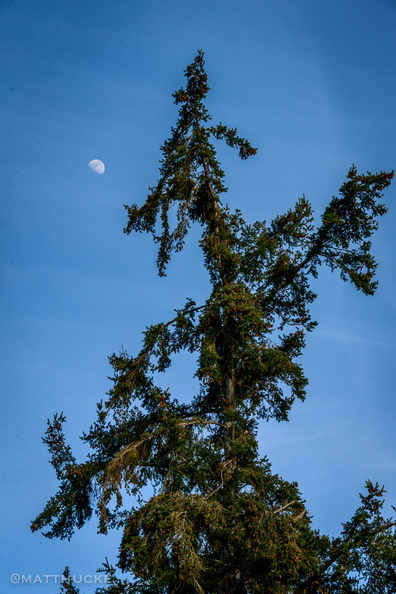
(312, 85)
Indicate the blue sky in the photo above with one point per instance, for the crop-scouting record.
(312, 85)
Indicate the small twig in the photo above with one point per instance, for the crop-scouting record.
(300, 516)
(201, 421)
(277, 511)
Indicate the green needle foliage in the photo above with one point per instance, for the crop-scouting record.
(219, 521)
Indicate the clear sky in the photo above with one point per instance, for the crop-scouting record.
(311, 83)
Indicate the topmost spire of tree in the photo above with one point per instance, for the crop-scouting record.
(191, 176)
(219, 521)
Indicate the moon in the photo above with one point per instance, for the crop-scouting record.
(97, 166)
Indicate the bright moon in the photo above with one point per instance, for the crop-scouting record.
(97, 166)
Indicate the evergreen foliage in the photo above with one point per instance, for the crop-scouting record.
(67, 586)
(219, 521)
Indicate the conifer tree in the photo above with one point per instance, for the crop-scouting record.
(219, 521)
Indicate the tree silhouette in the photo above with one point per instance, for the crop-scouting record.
(219, 521)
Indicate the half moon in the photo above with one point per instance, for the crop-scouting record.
(97, 166)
